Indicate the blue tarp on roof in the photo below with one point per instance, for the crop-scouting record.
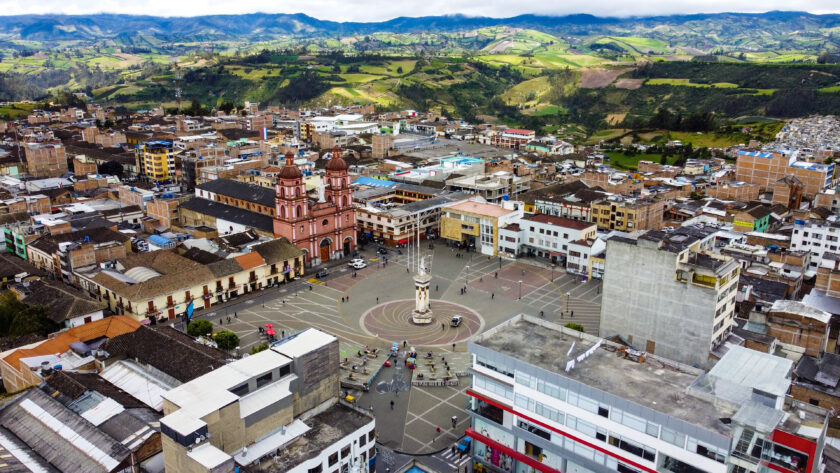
(369, 181)
(161, 241)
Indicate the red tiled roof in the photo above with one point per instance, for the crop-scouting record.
(250, 260)
(560, 221)
(108, 327)
(519, 131)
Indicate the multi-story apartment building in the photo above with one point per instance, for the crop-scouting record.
(512, 138)
(164, 209)
(281, 399)
(829, 199)
(734, 190)
(476, 224)
(546, 236)
(765, 169)
(397, 212)
(494, 188)
(576, 206)
(817, 237)
(45, 159)
(62, 254)
(550, 399)
(156, 160)
(628, 215)
(667, 294)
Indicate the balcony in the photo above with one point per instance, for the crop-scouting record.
(703, 280)
(488, 411)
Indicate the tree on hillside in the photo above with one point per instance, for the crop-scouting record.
(199, 328)
(226, 106)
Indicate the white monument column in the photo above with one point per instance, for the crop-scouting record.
(421, 315)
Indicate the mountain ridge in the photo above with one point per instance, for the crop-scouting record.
(262, 25)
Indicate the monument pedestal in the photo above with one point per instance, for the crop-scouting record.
(422, 315)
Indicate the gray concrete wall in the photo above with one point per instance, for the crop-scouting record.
(642, 300)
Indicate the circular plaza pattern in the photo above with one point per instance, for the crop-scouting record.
(391, 321)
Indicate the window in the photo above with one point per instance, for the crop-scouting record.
(333, 459)
(483, 382)
(371, 435)
(240, 390)
(325, 222)
(317, 469)
(362, 440)
(345, 452)
(263, 380)
(534, 430)
(495, 366)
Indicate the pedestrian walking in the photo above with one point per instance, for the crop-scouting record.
(405, 342)
(453, 347)
(228, 320)
(492, 295)
(481, 279)
(392, 404)
(436, 287)
(342, 299)
(235, 315)
(437, 431)
(371, 408)
(541, 313)
(282, 334)
(348, 298)
(572, 313)
(442, 326)
(377, 299)
(523, 272)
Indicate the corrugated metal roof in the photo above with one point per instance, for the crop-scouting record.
(144, 388)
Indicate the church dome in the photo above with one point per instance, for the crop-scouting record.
(336, 163)
(290, 170)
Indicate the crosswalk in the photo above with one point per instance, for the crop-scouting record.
(450, 458)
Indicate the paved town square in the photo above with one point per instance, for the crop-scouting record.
(371, 307)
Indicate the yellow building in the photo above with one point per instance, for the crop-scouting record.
(156, 160)
(476, 224)
(641, 214)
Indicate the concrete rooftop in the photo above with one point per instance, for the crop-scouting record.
(652, 384)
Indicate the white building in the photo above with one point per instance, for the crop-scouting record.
(284, 399)
(816, 237)
(549, 237)
(549, 399)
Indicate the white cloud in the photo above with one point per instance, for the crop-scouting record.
(376, 10)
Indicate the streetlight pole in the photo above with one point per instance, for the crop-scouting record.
(568, 294)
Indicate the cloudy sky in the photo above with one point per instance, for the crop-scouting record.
(375, 10)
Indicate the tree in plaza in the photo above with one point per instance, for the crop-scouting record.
(226, 340)
(575, 326)
(258, 348)
(200, 327)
